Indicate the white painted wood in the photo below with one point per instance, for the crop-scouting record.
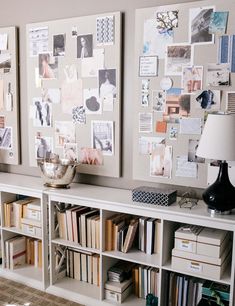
(109, 201)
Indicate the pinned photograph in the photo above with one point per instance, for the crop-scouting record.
(38, 41)
(48, 66)
(85, 46)
(91, 65)
(102, 135)
(199, 22)
(43, 113)
(70, 151)
(230, 102)
(145, 99)
(107, 103)
(145, 122)
(43, 146)
(178, 55)
(105, 30)
(6, 138)
(79, 115)
(64, 133)
(218, 74)
(159, 100)
(161, 160)
(173, 133)
(59, 45)
(190, 126)
(192, 149)
(107, 83)
(74, 31)
(51, 95)
(218, 23)
(166, 20)
(155, 41)
(92, 103)
(145, 144)
(145, 85)
(90, 156)
(208, 99)
(71, 95)
(177, 106)
(192, 78)
(161, 127)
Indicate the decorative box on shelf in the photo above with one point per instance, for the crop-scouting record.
(152, 195)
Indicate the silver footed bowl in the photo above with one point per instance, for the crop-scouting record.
(57, 174)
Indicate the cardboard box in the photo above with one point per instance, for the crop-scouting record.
(200, 268)
(212, 242)
(185, 245)
(118, 297)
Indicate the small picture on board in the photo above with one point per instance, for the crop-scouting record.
(90, 156)
(43, 113)
(6, 138)
(159, 100)
(70, 151)
(85, 46)
(192, 149)
(218, 74)
(5, 61)
(192, 79)
(59, 45)
(199, 22)
(91, 101)
(102, 136)
(208, 99)
(48, 66)
(178, 55)
(43, 146)
(161, 160)
(107, 83)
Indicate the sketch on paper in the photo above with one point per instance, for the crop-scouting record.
(64, 133)
(43, 146)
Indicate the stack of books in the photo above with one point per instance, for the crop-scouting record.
(122, 231)
(81, 225)
(24, 214)
(183, 290)
(146, 280)
(83, 266)
(20, 250)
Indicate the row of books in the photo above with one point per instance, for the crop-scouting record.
(122, 232)
(20, 250)
(146, 280)
(81, 225)
(184, 290)
(83, 266)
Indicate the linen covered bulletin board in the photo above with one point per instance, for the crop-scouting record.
(9, 108)
(185, 69)
(74, 104)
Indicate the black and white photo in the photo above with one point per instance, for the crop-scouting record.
(107, 83)
(59, 45)
(218, 74)
(199, 22)
(102, 135)
(43, 146)
(159, 100)
(6, 138)
(85, 46)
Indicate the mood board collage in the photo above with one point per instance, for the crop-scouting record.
(186, 64)
(74, 91)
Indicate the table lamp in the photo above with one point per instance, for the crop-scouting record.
(218, 142)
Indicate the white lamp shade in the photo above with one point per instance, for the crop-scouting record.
(218, 138)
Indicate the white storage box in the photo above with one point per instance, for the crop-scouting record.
(34, 210)
(186, 237)
(31, 227)
(200, 268)
(118, 297)
(212, 242)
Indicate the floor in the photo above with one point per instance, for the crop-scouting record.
(16, 294)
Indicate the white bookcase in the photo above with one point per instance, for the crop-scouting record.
(108, 201)
(12, 186)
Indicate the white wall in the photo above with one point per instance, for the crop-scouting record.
(19, 13)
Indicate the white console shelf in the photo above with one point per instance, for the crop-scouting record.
(108, 201)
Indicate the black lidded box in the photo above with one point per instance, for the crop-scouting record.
(152, 195)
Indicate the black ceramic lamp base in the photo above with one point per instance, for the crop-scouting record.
(220, 196)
